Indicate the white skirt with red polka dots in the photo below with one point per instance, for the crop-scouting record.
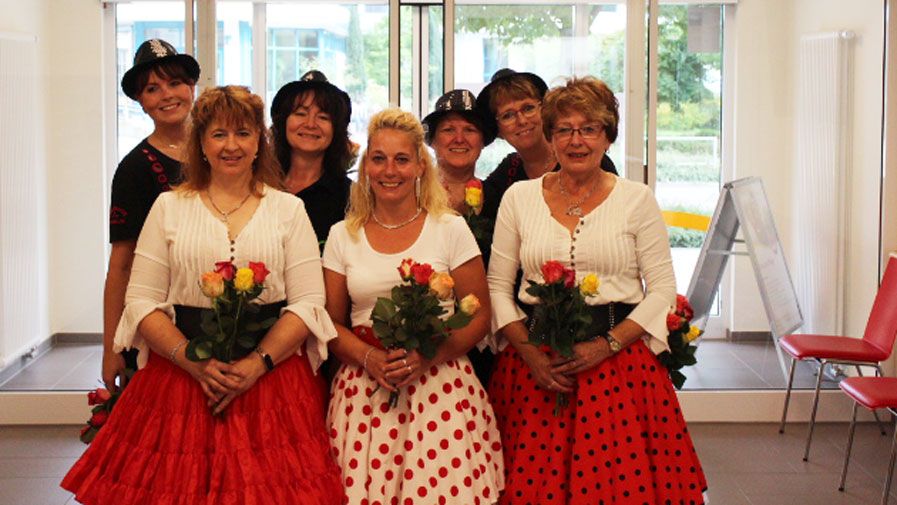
(439, 445)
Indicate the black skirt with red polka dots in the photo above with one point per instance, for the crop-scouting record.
(622, 439)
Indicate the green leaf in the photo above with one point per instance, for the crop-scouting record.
(381, 330)
(458, 320)
(678, 378)
(210, 327)
(383, 310)
(402, 336)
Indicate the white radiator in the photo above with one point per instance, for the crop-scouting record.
(22, 276)
(821, 179)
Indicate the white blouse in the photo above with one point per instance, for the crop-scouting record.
(445, 243)
(182, 239)
(623, 241)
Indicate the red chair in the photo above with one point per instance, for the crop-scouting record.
(872, 393)
(871, 350)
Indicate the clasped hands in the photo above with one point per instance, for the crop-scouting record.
(222, 382)
(558, 373)
(396, 368)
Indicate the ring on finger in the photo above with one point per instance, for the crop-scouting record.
(409, 368)
(404, 362)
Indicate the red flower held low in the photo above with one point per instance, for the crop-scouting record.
(99, 418)
(97, 397)
(683, 308)
(674, 321)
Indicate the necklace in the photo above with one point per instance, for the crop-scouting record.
(573, 209)
(224, 215)
(395, 226)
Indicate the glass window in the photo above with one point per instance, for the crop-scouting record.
(234, 43)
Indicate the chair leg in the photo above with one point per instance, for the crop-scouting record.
(787, 395)
(887, 490)
(850, 432)
(881, 427)
(815, 407)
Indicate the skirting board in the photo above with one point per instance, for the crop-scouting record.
(698, 406)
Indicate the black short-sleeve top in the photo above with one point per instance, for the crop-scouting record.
(325, 202)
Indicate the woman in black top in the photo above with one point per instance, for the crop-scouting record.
(163, 82)
(311, 140)
(513, 100)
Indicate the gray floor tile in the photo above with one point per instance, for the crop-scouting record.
(32, 491)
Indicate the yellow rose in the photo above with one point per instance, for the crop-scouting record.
(589, 285)
(473, 197)
(441, 285)
(243, 281)
(693, 333)
(470, 304)
(212, 284)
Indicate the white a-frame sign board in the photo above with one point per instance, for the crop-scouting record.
(743, 204)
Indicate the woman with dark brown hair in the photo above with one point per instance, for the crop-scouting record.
(198, 432)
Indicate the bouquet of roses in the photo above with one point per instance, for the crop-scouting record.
(562, 318)
(102, 401)
(228, 325)
(410, 318)
(682, 334)
(481, 226)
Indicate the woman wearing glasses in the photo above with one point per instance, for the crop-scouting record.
(622, 437)
(513, 100)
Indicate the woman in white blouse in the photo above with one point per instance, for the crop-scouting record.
(622, 437)
(249, 431)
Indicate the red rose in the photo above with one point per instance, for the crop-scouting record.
(674, 321)
(683, 308)
(474, 183)
(97, 397)
(259, 271)
(569, 278)
(226, 269)
(552, 271)
(405, 268)
(99, 418)
(422, 273)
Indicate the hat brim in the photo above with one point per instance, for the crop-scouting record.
(129, 80)
(484, 99)
(486, 128)
(289, 91)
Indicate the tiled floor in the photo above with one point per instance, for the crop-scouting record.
(745, 464)
(721, 365)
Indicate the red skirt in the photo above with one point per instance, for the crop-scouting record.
(622, 439)
(162, 446)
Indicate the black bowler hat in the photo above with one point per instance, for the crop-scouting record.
(151, 53)
(463, 102)
(484, 103)
(313, 80)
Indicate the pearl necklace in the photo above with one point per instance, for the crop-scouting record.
(224, 215)
(395, 226)
(573, 209)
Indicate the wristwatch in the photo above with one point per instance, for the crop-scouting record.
(615, 345)
(269, 363)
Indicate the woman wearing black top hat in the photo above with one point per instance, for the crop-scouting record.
(513, 101)
(163, 82)
(311, 140)
(457, 132)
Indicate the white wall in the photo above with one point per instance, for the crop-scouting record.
(767, 36)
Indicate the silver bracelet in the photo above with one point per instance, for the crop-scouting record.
(175, 350)
(365, 362)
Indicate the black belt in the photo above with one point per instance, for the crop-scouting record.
(604, 317)
(189, 321)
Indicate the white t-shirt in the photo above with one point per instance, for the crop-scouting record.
(623, 241)
(182, 239)
(444, 242)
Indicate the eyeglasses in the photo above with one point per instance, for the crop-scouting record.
(527, 112)
(590, 132)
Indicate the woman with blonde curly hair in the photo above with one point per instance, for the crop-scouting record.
(439, 444)
(198, 432)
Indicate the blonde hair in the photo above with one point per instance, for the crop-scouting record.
(588, 95)
(234, 106)
(433, 197)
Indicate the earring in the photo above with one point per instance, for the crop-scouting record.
(204, 158)
(417, 189)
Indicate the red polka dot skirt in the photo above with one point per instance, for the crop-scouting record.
(439, 445)
(621, 440)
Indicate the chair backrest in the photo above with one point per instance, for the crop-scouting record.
(882, 326)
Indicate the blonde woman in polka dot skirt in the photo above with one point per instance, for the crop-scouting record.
(622, 439)
(440, 444)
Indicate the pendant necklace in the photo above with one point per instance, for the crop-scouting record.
(395, 226)
(573, 209)
(224, 215)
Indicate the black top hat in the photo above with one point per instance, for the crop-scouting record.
(152, 53)
(311, 80)
(463, 102)
(484, 103)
